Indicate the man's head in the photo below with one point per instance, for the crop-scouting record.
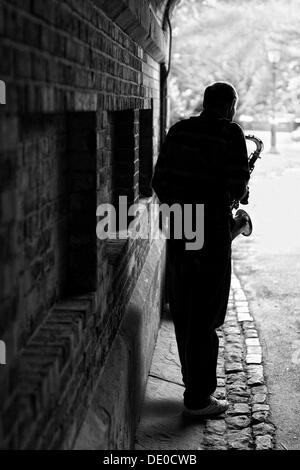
(221, 98)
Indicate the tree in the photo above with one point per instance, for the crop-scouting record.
(226, 40)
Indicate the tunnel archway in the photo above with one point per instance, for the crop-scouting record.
(275, 176)
(73, 77)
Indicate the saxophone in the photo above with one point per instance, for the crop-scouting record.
(241, 222)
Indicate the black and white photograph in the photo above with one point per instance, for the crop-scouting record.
(149, 229)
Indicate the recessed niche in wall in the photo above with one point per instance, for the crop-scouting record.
(124, 157)
(82, 150)
(42, 215)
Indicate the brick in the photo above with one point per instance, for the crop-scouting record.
(253, 358)
(260, 407)
(22, 63)
(33, 33)
(252, 342)
(259, 398)
(240, 440)
(238, 422)
(260, 416)
(239, 409)
(9, 133)
(13, 25)
(44, 10)
(2, 19)
(264, 442)
(217, 426)
(256, 379)
(6, 63)
(233, 367)
(262, 429)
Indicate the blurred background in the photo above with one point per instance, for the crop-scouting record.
(254, 45)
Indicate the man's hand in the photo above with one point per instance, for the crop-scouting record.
(245, 198)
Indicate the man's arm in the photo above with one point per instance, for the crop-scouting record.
(238, 169)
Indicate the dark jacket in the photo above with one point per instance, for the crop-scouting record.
(203, 160)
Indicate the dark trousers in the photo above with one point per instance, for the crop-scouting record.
(198, 289)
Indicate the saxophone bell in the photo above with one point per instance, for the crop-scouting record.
(242, 224)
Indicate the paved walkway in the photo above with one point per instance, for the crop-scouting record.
(246, 425)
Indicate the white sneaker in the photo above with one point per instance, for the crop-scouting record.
(215, 407)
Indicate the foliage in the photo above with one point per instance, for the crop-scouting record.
(228, 40)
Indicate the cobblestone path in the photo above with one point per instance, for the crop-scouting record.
(247, 423)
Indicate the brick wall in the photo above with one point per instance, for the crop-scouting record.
(42, 222)
(70, 67)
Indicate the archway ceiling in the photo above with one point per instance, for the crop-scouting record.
(162, 6)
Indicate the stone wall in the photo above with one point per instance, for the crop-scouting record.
(70, 68)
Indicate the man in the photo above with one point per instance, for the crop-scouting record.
(203, 161)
